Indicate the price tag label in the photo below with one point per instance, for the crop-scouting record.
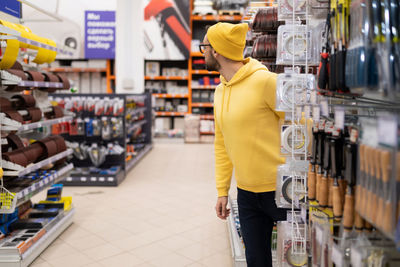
(35, 84)
(93, 179)
(110, 179)
(69, 179)
(387, 130)
(324, 108)
(102, 179)
(83, 179)
(336, 256)
(339, 118)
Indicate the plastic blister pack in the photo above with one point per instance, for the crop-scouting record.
(286, 8)
(290, 187)
(297, 44)
(291, 251)
(293, 89)
(293, 139)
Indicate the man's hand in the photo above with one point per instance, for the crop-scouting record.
(220, 208)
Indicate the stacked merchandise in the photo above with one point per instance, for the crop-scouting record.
(108, 136)
(31, 158)
(32, 225)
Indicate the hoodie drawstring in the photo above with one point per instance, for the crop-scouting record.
(222, 106)
(229, 97)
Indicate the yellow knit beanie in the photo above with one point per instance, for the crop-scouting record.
(228, 39)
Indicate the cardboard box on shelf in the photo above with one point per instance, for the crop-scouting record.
(152, 68)
(97, 63)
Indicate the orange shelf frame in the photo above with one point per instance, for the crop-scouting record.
(170, 114)
(206, 117)
(196, 54)
(216, 17)
(165, 78)
(75, 69)
(203, 105)
(204, 87)
(171, 95)
(205, 72)
(207, 133)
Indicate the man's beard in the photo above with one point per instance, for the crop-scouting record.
(212, 64)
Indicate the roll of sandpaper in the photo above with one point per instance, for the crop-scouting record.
(14, 141)
(33, 152)
(49, 77)
(17, 157)
(34, 114)
(35, 76)
(64, 80)
(56, 112)
(5, 104)
(14, 115)
(24, 101)
(17, 66)
(21, 74)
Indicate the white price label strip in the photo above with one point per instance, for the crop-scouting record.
(339, 118)
(387, 130)
(316, 114)
(324, 108)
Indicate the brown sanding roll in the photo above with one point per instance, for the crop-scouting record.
(61, 145)
(14, 115)
(398, 184)
(34, 76)
(14, 141)
(49, 77)
(17, 66)
(34, 114)
(17, 157)
(49, 148)
(24, 101)
(64, 80)
(22, 75)
(5, 104)
(56, 112)
(33, 152)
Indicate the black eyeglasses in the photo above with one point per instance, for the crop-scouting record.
(202, 47)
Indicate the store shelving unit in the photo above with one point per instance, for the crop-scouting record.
(144, 125)
(170, 114)
(237, 246)
(166, 78)
(171, 95)
(71, 69)
(13, 258)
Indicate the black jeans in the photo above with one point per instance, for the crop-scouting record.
(257, 214)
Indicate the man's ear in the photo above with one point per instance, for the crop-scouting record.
(215, 53)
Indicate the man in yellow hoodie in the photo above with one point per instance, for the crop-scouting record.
(247, 137)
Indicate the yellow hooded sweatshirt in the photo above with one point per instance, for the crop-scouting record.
(247, 135)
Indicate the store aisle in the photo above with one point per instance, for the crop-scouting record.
(161, 215)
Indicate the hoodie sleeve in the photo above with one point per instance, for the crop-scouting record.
(223, 165)
(270, 94)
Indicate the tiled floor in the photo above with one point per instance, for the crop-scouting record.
(161, 215)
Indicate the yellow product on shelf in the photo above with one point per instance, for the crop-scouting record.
(11, 52)
(66, 200)
(52, 53)
(43, 54)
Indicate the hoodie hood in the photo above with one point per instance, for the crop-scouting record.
(250, 66)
